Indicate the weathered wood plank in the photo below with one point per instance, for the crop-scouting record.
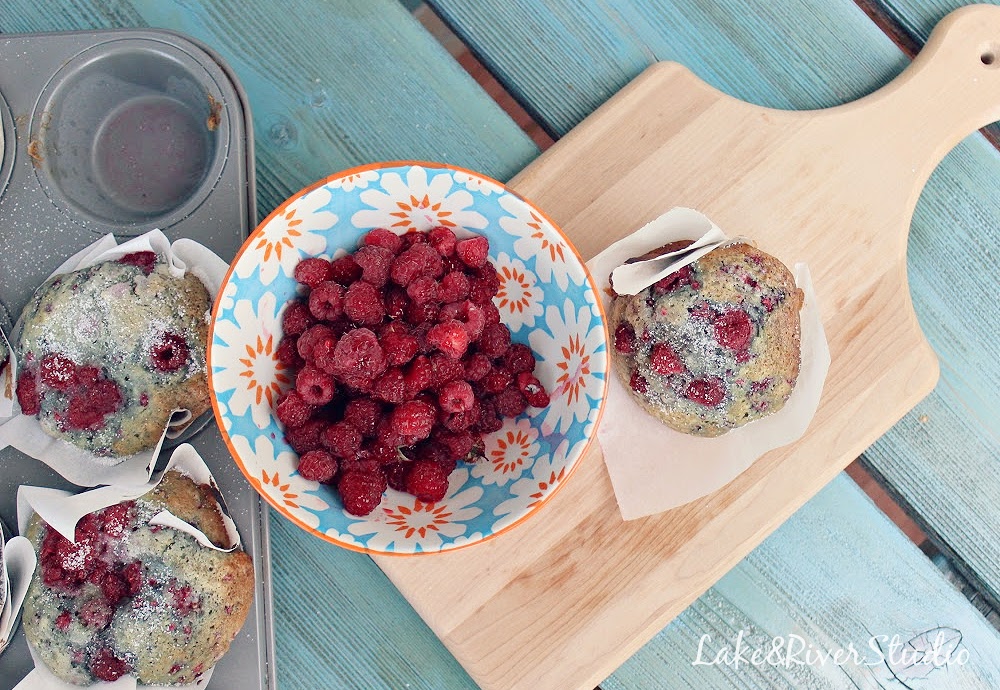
(836, 575)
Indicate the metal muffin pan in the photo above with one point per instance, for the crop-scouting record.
(122, 132)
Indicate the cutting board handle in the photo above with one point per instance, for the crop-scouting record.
(949, 91)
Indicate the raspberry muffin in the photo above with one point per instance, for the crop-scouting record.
(714, 345)
(130, 598)
(108, 352)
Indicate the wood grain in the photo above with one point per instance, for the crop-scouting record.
(568, 596)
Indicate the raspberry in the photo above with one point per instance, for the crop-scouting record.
(396, 302)
(477, 365)
(326, 301)
(91, 403)
(361, 491)
(391, 386)
(345, 270)
(306, 437)
(461, 421)
(454, 287)
(315, 386)
(445, 368)
(63, 620)
(519, 358)
(455, 396)
(413, 420)
(733, 329)
(385, 435)
(296, 319)
(434, 451)
(419, 375)
(374, 262)
(490, 312)
(467, 313)
(527, 383)
(169, 353)
(363, 414)
(114, 588)
(416, 261)
(363, 304)
(539, 398)
(382, 237)
(132, 573)
(144, 260)
(624, 339)
(488, 421)
(288, 353)
(312, 272)
(423, 289)
(395, 474)
(358, 355)
(496, 380)
(510, 402)
(104, 665)
(399, 348)
(637, 383)
(96, 613)
(443, 240)
(459, 444)
(58, 372)
(427, 480)
(450, 338)
(482, 290)
(473, 251)
(316, 340)
(413, 237)
(676, 280)
(495, 340)
(317, 466)
(707, 392)
(293, 411)
(664, 360)
(421, 312)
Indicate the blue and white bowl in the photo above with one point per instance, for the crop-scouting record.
(547, 298)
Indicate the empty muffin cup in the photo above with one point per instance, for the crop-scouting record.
(130, 134)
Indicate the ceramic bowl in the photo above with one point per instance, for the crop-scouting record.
(547, 298)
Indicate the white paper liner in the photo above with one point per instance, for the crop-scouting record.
(65, 510)
(8, 375)
(17, 563)
(654, 468)
(75, 464)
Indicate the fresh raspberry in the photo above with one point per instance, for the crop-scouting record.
(293, 411)
(624, 339)
(144, 260)
(510, 402)
(434, 451)
(733, 329)
(91, 404)
(482, 291)
(491, 313)
(518, 358)
(495, 340)
(361, 491)
(413, 420)
(459, 444)
(363, 304)
(414, 262)
(445, 368)
(390, 386)
(539, 398)
(312, 272)
(473, 251)
(96, 613)
(317, 466)
(168, 353)
(315, 386)
(57, 371)
(676, 280)
(326, 301)
(527, 383)
(358, 355)
(427, 480)
(132, 573)
(306, 437)
(396, 301)
(496, 379)
(638, 383)
(477, 365)
(363, 414)
(413, 237)
(374, 262)
(707, 392)
(461, 421)
(399, 348)
(455, 396)
(395, 474)
(288, 352)
(443, 240)
(467, 313)
(345, 270)
(386, 435)
(489, 421)
(318, 341)
(104, 665)
(419, 375)
(296, 319)
(454, 287)
(450, 338)
(423, 289)
(381, 453)
(381, 237)
(421, 312)
(664, 360)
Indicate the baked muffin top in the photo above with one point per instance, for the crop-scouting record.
(714, 345)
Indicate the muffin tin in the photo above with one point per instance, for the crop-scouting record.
(122, 132)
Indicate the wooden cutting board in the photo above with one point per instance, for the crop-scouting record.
(562, 600)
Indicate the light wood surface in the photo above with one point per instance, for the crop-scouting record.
(562, 600)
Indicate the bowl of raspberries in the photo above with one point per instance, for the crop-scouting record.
(407, 357)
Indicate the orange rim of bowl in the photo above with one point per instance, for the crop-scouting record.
(380, 166)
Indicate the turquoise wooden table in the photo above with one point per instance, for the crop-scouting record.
(338, 83)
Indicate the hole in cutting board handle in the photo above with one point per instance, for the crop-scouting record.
(988, 55)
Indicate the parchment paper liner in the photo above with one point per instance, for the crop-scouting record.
(8, 375)
(654, 468)
(17, 562)
(75, 464)
(62, 510)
